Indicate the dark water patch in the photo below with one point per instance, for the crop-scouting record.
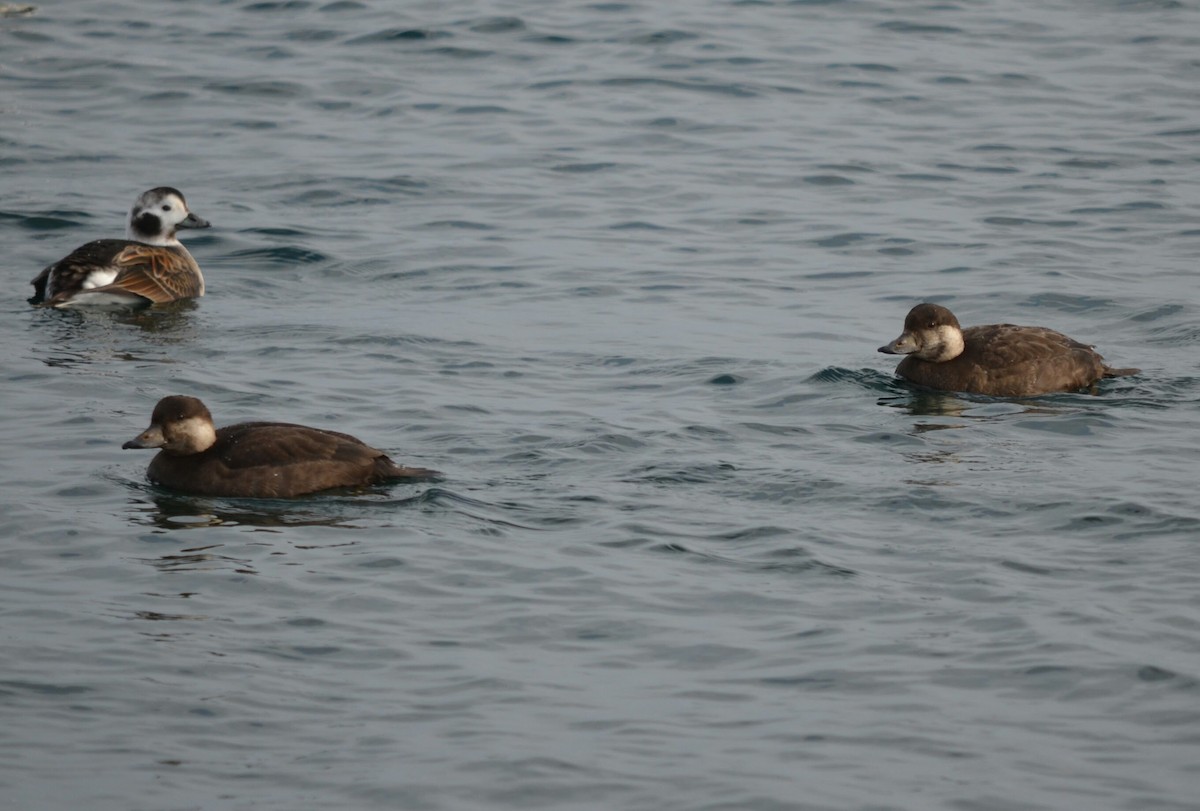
(828, 180)
(498, 25)
(726, 379)
(167, 97)
(1158, 312)
(49, 221)
(1186, 334)
(847, 168)
(694, 474)
(1150, 673)
(394, 184)
(278, 255)
(754, 534)
(994, 170)
(1022, 222)
(344, 5)
(664, 37)
(200, 559)
(926, 177)
(1137, 205)
(1149, 5)
(466, 225)
(602, 444)
(264, 89)
(906, 27)
(838, 275)
(639, 225)
(23, 688)
(312, 35)
(1068, 303)
(276, 231)
(1088, 163)
(596, 291)
(582, 168)
(888, 438)
(389, 35)
(157, 616)
(553, 84)
(734, 89)
(1029, 568)
(249, 124)
(869, 67)
(860, 84)
(552, 40)
(30, 36)
(800, 561)
(866, 378)
(462, 53)
(792, 560)
(280, 5)
(776, 430)
(843, 240)
(481, 109)
(498, 515)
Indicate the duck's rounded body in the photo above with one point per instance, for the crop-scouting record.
(257, 459)
(149, 266)
(1000, 360)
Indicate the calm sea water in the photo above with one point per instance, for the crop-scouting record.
(619, 270)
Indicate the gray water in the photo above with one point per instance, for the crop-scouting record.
(619, 270)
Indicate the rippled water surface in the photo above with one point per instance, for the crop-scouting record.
(619, 270)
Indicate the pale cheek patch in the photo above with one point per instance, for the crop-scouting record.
(951, 343)
(193, 434)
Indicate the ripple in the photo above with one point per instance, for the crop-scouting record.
(388, 35)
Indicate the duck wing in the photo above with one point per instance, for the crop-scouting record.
(159, 274)
(273, 459)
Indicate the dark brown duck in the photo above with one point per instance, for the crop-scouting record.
(257, 459)
(1001, 360)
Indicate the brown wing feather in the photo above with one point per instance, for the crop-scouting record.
(156, 273)
(254, 444)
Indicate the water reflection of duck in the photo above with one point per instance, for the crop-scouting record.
(257, 459)
(1001, 360)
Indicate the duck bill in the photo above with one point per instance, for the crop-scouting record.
(152, 437)
(903, 345)
(192, 221)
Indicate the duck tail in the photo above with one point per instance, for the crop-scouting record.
(1111, 372)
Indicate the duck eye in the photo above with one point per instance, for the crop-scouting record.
(166, 208)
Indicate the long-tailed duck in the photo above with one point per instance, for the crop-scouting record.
(257, 459)
(149, 266)
(1001, 360)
